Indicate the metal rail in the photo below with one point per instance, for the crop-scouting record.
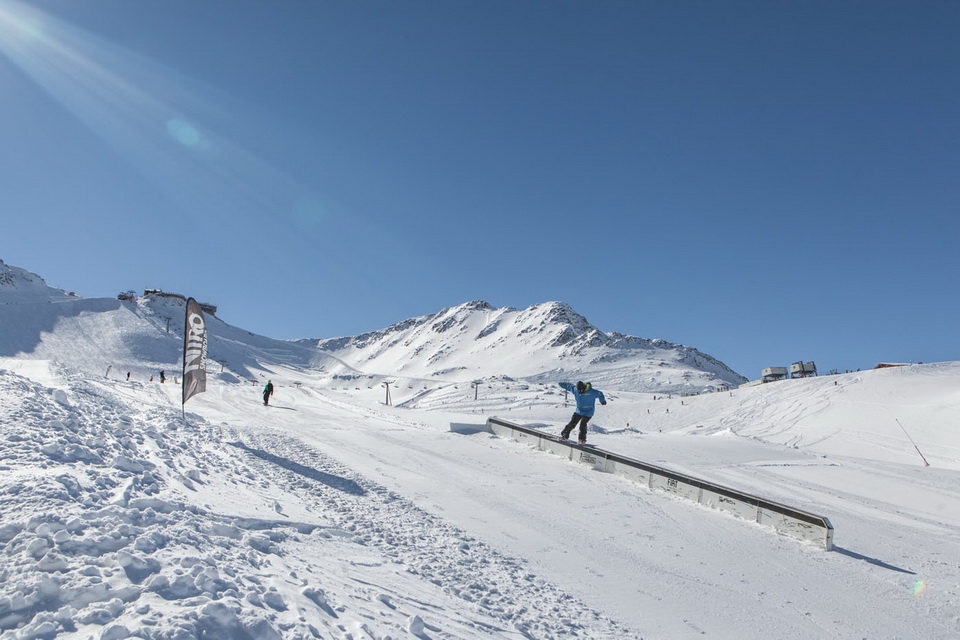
(785, 519)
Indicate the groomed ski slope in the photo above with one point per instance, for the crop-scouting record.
(331, 515)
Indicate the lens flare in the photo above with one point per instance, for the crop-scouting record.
(183, 132)
(919, 587)
(137, 108)
(179, 135)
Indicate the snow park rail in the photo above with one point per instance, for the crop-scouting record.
(787, 520)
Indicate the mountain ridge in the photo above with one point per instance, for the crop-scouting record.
(20, 285)
(551, 337)
(544, 343)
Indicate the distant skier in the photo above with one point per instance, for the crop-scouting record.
(586, 397)
(163, 377)
(267, 392)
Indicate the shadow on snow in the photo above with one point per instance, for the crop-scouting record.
(873, 561)
(343, 484)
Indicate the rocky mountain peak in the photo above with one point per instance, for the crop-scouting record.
(475, 339)
(25, 285)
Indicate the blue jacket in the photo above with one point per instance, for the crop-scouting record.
(586, 401)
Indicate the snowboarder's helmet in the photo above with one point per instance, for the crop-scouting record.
(581, 387)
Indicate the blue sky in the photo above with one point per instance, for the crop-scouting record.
(766, 181)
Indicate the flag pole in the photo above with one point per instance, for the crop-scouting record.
(913, 443)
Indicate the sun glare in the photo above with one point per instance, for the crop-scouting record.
(108, 89)
(156, 119)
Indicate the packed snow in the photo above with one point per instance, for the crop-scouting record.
(330, 514)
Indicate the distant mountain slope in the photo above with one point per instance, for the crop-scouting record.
(19, 285)
(545, 342)
(142, 335)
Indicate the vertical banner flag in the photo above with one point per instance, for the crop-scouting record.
(194, 352)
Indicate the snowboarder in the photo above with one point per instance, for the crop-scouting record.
(586, 397)
(267, 392)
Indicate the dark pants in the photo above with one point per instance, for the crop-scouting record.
(266, 397)
(583, 420)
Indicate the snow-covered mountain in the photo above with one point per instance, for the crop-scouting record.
(545, 342)
(331, 514)
(140, 334)
(19, 285)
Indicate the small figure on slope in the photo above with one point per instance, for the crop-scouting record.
(267, 392)
(586, 397)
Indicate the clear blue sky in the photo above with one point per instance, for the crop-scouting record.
(766, 181)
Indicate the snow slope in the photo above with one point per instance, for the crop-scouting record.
(460, 344)
(332, 515)
(544, 342)
(18, 286)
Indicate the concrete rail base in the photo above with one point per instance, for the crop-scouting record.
(787, 520)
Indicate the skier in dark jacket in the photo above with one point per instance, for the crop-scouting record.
(586, 397)
(267, 392)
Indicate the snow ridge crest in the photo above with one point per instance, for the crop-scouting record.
(476, 339)
(20, 285)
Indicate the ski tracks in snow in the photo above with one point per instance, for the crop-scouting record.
(123, 520)
(424, 546)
